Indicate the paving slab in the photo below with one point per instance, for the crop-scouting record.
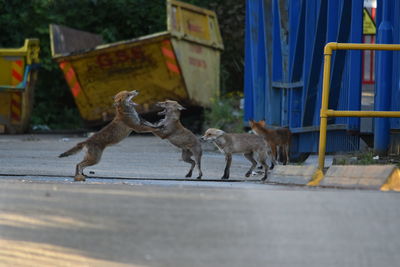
(358, 176)
(292, 174)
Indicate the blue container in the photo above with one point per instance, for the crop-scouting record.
(284, 46)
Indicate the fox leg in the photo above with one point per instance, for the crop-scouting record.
(272, 154)
(274, 150)
(197, 153)
(93, 156)
(286, 154)
(228, 160)
(186, 157)
(249, 156)
(262, 159)
(279, 152)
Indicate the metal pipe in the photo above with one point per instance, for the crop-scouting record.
(325, 112)
(324, 108)
(350, 46)
(356, 113)
(383, 87)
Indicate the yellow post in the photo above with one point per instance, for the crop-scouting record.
(319, 174)
(325, 112)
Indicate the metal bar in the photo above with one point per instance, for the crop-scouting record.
(249, 69)
(349, 46)
(383, 92)
(316, 128)
(356, 113)
(325, 113)
(324, 108)
(354, 73)
(312, 81)
(287, 85)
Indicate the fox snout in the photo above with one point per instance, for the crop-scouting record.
(212, 134)
(134, 93)
(160, 104)
(162, 112)
(208, 138)
(203, 138)
(170, 104)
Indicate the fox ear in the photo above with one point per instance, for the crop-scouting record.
(180, 107)
(262, 122)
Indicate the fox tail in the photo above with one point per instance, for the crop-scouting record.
(73, 150)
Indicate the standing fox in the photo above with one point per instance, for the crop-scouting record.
(111, 134)
(248, 144)
(278, 139)
(170, 128)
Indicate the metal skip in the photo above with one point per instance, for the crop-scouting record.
(181, 63)
(18, 73)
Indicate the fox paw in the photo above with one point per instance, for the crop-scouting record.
(80, 178)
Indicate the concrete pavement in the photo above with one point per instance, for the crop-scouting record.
(85, 224)
(46, 219)
(139, 156)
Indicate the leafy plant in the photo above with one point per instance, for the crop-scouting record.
(366, 158)
(225, 113)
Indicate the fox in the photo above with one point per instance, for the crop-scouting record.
(171, 128)
(278, 139)
(125, 121)
(248, 144)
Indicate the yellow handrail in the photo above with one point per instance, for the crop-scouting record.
(325, 112)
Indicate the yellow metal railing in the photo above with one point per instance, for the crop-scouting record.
(325, 112)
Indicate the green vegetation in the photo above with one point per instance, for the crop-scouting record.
(116, 20)
(366, 158)
(225, 113)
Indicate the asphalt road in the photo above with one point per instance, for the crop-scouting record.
(48, 220)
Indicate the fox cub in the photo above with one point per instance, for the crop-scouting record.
(171, 128)
(111, 134)
(278, 139)
(248, 144)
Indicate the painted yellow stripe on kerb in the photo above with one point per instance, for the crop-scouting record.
(393, 182)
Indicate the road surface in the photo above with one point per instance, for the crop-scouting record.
(48, 220)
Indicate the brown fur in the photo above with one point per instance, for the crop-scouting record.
(170, 128)
(111, 134)
(278, 139)
(248, 144)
